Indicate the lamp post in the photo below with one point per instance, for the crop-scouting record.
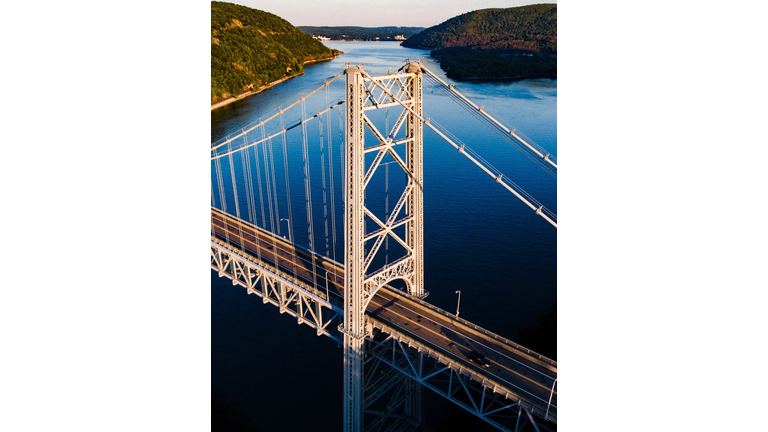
(289, 230)
(550, 398)
(458, 304)
(327, 296)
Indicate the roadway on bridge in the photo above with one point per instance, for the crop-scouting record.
(511, 366)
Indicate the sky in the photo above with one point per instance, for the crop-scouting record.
(370, 13)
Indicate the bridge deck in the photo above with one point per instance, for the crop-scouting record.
(527, 373)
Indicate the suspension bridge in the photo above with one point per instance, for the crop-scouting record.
(369, 296)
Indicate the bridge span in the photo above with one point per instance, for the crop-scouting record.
(310, 287)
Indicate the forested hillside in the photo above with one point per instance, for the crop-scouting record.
(495, 44)
(361, 33)
(530, 29)
(250, 48)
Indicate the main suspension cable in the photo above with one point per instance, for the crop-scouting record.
(536, 149)
(499, 178)
(279, 113)
(283, 131)
(549, 169)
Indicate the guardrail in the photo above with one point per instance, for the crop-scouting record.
(475, 327)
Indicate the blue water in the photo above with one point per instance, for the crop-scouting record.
(479, 238)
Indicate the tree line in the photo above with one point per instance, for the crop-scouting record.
(495, 44)
(250, 48)
(361, 33)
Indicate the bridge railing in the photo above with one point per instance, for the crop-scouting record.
(476, 328)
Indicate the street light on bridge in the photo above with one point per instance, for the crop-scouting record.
(458, 304)
(327, 296)
(289, 229)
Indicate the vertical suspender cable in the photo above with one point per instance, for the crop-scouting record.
(258, 182)
(222, 196)
(330, 169)
(246, 179)
(269, 185)
(213, 204)
(275, 258)
(220, 181)
(308, 189)
(274, 185)
(251, 198)
(213, 199)
(237, 201)
(271, 163)
(234, 186)
(325, 201)
(342, 155)
(288, 191)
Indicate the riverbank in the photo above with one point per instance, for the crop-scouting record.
(252, 92)
(266, 86)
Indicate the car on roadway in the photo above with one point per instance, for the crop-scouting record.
(478, 359)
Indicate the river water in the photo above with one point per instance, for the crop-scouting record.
(270, 374)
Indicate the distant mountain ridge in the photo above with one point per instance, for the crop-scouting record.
(250, 48)
(362, 33)
(531, 29)
(495, 44)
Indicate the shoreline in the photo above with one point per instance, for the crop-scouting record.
(265, 86)
(360, 40)
(248, 93)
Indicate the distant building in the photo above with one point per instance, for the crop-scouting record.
(321, 38)
(400, 37)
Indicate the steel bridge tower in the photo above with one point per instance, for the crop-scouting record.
(364, 93)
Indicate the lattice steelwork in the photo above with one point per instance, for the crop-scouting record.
(364, 93)
(294, 297)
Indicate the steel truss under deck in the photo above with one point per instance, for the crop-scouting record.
(294, 297)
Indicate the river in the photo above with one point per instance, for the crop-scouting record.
(271, 374)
